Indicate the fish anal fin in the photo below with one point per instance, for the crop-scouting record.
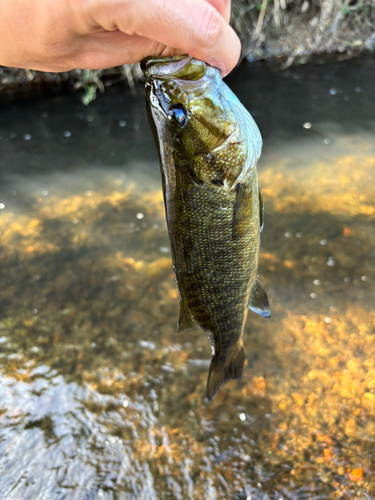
(223, 370)
(185, 320)
(258, 301)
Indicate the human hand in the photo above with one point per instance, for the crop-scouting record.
(60, 35)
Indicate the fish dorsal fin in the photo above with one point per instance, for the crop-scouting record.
(258, 301)
(261, 210)
(185, 320)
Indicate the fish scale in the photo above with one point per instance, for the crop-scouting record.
(220, 309)
(208, 147)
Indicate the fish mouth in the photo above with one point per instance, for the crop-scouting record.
(173, 80)
(184, 68)
(160, 73)
(159, 67)
(157, 95)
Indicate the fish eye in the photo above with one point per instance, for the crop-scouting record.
(178, 114)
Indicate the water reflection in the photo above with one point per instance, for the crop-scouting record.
(99, 398)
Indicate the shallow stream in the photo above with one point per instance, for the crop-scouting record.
(99, 397)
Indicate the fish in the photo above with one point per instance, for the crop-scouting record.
(208, 146)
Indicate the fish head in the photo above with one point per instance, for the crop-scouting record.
(188, 100)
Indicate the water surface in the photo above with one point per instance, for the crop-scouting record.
(99, 397)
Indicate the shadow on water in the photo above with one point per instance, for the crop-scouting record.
(99, 397)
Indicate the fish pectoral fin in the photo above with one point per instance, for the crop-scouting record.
(261, 210)
(258, 301)
(223, 370)
(185, 320)
(240, 210)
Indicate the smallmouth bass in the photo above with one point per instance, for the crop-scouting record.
(208, 147)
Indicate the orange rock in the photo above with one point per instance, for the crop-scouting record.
(356, 474)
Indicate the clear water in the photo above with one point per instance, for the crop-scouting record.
(99, 398)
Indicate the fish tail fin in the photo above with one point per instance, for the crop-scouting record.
(223, 370)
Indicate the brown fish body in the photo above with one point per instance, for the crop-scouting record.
(213, 208)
